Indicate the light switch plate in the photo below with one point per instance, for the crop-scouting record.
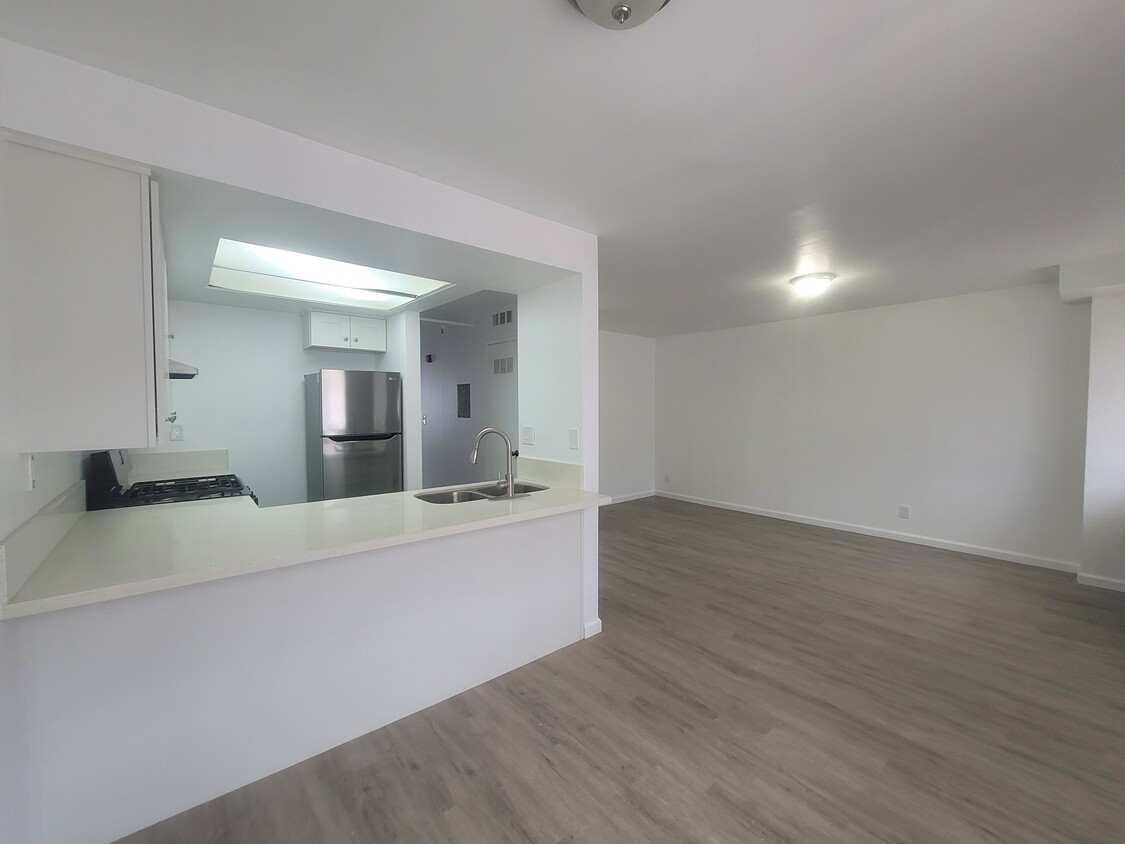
(527, 435)
(574, 439)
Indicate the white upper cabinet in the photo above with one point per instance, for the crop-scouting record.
(327, 331)
(87, 371)
(340, 331)
(369, 335)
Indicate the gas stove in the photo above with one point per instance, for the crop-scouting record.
(184, 489)
(107, 486)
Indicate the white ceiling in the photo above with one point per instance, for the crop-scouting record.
(916, 148)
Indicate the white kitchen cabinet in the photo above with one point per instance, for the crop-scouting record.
(340, 331)
(369, 335)
(88, 371)
(327, 331)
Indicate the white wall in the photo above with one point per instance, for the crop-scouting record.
(249, 396)
(970, 410)
(1103, 533)
(16, 505)
(550, 370)
(627, 386)
(1079, 280)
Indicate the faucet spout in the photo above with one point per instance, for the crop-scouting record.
(509, 479)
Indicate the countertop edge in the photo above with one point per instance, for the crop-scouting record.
(70, 600)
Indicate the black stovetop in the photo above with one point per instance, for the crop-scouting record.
(106, 485)
(183, 489)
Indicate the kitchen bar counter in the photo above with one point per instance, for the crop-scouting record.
(112, 554)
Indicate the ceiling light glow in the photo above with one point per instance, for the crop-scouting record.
(812, 284)
(268, 271)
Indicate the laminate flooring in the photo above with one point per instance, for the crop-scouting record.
(757, 680)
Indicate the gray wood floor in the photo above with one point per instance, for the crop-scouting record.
(757, 680)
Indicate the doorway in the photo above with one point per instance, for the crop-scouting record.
(469, 354)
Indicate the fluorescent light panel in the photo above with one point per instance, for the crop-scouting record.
(267, 271)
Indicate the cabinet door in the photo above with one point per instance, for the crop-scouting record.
(369, 335)
(159, 316)
(329, 331)
(81, 278)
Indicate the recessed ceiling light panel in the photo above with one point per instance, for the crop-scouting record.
(268, 271)
(812, 284)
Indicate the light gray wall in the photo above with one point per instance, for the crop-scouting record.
(1103, 535)
(970, 410)
(249, 395)
(16, 506)
(550, 370)
(628, 424)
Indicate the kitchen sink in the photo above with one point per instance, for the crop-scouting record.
(500, 490)
(450, 496)
(488, 492)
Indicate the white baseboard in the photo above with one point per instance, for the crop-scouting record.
(1114, 583)
(591, 628)
(929, 541)
(633, 496)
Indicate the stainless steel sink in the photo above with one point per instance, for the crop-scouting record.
(489, 492)
(451, 496)
(499, 490)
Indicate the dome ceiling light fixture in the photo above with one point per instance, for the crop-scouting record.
(619, 14)
(812, 284)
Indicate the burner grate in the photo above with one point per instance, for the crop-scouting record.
(183, 489)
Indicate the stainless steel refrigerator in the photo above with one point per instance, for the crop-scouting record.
(353, 428)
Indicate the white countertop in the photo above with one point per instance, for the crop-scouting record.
(117, 553)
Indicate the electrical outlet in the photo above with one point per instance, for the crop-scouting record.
(667, 479)
(176, 434)
(574, 439)
(903, 511)
(527, 435)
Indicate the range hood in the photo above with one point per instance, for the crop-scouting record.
(180, 371)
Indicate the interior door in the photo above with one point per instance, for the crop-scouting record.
(503, 403)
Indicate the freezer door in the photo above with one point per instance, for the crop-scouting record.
(361, 467)
(354, 403)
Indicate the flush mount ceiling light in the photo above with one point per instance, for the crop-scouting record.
(619, 14)
(812, 284)
(266, 271)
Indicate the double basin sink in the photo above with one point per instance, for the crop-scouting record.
(487, 492)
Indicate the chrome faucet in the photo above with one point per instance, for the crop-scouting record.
(509, 479)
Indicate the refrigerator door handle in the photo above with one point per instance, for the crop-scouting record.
(358, 438)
